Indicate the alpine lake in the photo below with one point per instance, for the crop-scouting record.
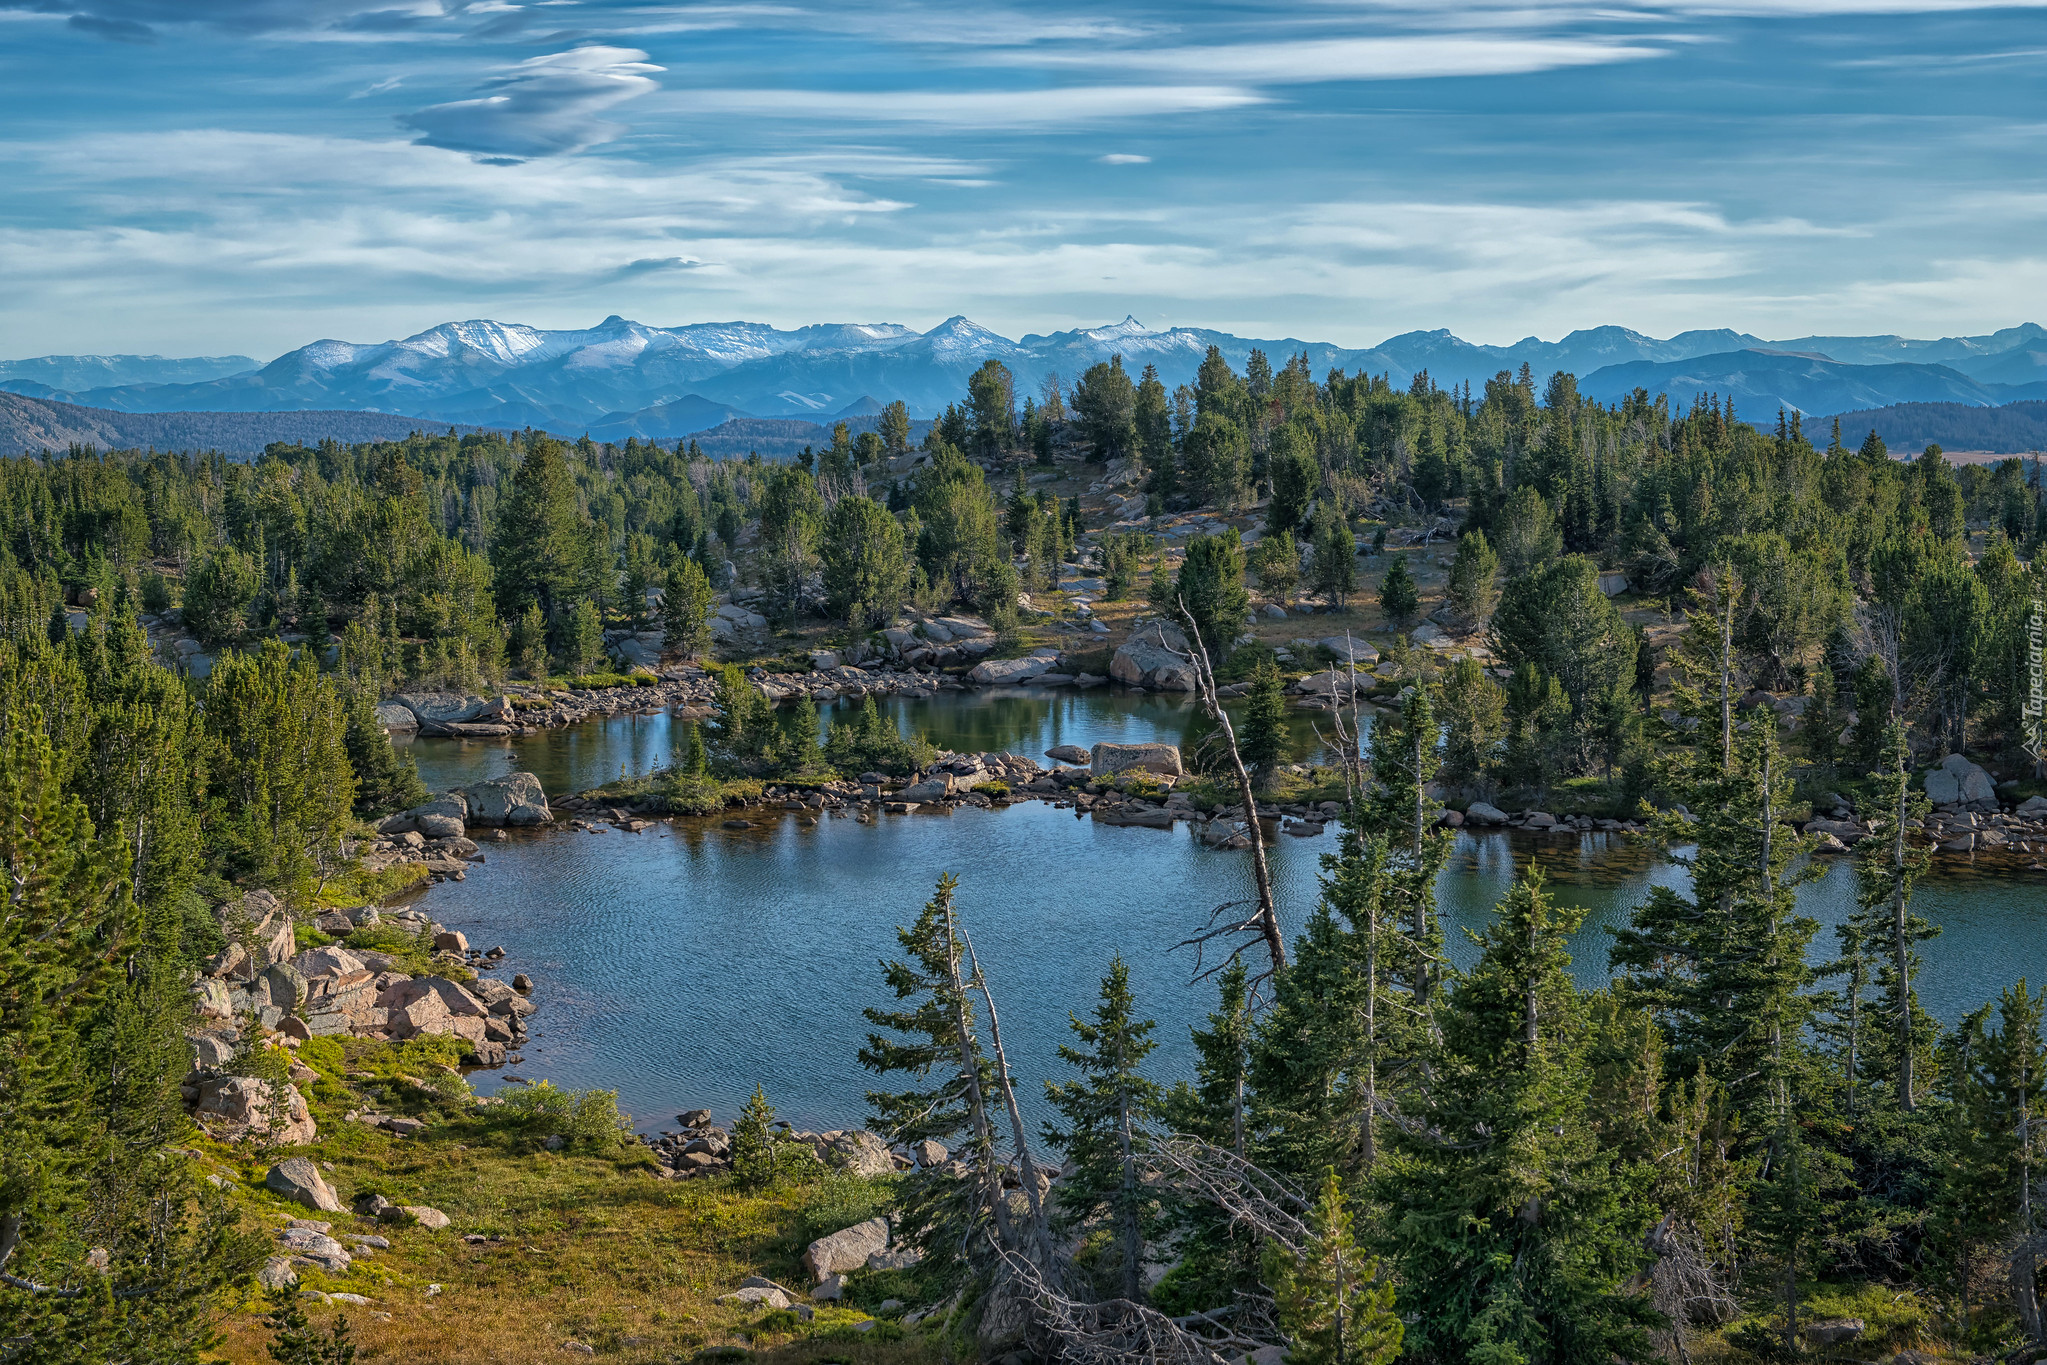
(685, 964)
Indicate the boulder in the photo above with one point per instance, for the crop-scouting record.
(442, 818)
(514, 799)
(425, 1216)
(396, 719)
(451, 941)
(936, 787)
(830, 1289)
(329, 961)
(2033, 808)
(211, 1050)
(994, 671)
(297, 1178)
(1350, 650)
(1156, 655)
(286, 985)
(896, 1258)
(846, 1250)
(436, 711)
(758, 1296)
(1958, 782)
(211, 999)
(1104, 760)
(277, 1272)
(311, 1244)
(860, 1153)
(246, 1106)
(1613, 584)
(1068, 753)
(1844, 832)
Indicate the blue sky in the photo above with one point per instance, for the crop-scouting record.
(204, 176)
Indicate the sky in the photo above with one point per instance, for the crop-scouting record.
(191, 177)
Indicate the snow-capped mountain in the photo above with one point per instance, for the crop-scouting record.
(633, 377)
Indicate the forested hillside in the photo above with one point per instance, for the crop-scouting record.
(2013, 429)
(31, 425)
(1380, 1157)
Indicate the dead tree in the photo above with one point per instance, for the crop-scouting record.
(1264, 920)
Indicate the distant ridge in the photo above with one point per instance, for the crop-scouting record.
(1908, 428)
(634, 379)
(29, 426)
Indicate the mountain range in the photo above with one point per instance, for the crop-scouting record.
(31, 425)
(623, 378)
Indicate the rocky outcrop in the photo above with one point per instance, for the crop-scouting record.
(1068, 753)
(859, 1153)
(1105, 760)
(454, 713)
(990, 672)
(235, 1107)
(1958, 782)
(1156, 656)
(514, 799)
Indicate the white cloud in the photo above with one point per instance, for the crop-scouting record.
(1378, 58)
(968, 108)
(1124, 159)
(544, 106)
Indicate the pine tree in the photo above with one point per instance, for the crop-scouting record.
(295, 1341)
(1335, 569)
(546, 551)
(1406, 753)
(1473, 590)
(385, 780)
(1334, 1305)
(686, 610)
(1398, 596)
(1885, 876)
(691, 759)
(753, 1142)
(1108, 1115)
(1265, 742)
(1513, 1230)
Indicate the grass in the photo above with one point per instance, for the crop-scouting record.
(584, 1244)
(673, 793)
(356, 885)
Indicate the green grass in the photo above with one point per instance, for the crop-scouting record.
(583, 1244)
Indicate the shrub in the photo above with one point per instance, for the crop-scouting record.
(588, 1119)
(412, 952)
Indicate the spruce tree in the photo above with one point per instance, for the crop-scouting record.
(1885, 874)
(1108, 1116)
(1473, 590)
(686, 610)
(1513, 1229)
(1265, 742)
(1333, 1304)
(1334, 572)
(1399, 598)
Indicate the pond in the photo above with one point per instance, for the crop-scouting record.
(684, 964)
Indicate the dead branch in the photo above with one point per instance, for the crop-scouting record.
(1266, 921)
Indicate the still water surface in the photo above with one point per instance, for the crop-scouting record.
(681, 965)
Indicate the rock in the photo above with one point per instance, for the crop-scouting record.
(993, 671)
(211, 999)
(1107, 759)
(1843, 832)
(1613, 584)
(277, 1272)
(1156, 655)
(522, 983)
(846, 1250)
(224, 962)
(936, 787)
(425, 1215)
(245, 1106)
(1539, 819)
(1833, 1331)
(514, 799)
(1067, 753)
(756, 1296)
(397, 719)
(317, 1247)
(298, 1178)
(442, 818)
(578, 1348)
(928, 1153)
(1350, 650)
(451, 941)
(860, 1153)
(830, 1289)
(211, 1050)
(1958, 782)
(329, 961)
(2033, 808)
(898, 1258)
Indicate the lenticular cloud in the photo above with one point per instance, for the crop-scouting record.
(544, 106)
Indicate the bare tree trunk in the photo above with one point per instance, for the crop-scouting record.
(977, 1103)
(1267, 921)
(1901, 947)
